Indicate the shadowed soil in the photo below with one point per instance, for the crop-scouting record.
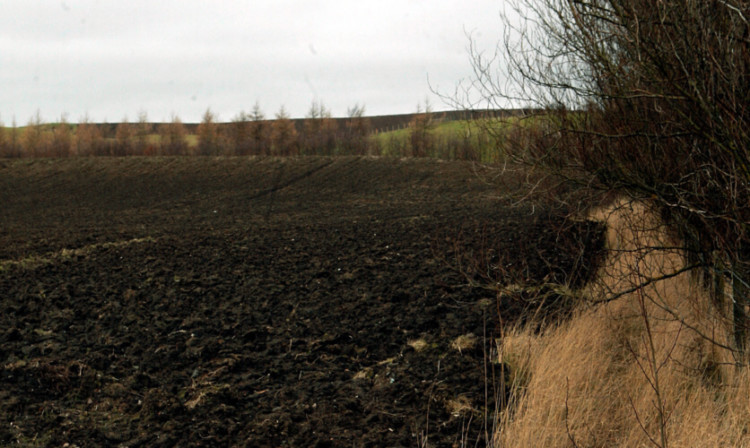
(259, 302)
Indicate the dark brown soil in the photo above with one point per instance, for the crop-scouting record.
(259, 302)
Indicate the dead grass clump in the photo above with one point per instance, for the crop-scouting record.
(458, 406)
(464, 342)
(648, 364)
(418, 344)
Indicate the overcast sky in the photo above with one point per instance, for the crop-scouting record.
(112, 59)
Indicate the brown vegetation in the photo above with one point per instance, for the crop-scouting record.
(357, 128)
(420, 135)
(260, 132)
(646, 103)
(142, 130)
(319, 131)
(283, 135)
(124, 138)
(88, 138)
(210, 137)
(252, 134)
(62, 139)
(649, 368)
(172, 138)
(35, 140)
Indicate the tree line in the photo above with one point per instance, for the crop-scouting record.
(247, 134)
(252, 134)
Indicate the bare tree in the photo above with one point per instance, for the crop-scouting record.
(62, 139)
(644, 99)
(173, 137)
(420, 131)
(88, 137)
(14, 147)
(124, 134)
(260, 132)
(239, 134)
(284, 135)
(143, 131)
(356, 131)
(4, 144)
(319, 131)
(35, 141)
(209, 139)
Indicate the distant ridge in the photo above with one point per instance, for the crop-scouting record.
(378, 123)
(382, 123)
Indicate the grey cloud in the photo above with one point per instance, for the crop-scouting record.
(111, 59)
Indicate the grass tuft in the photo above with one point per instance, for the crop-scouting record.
(418, 344)
(464, 342)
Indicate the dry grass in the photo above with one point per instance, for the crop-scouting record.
(418, 344)
(645, 368)
(458, 406)
(464, 342)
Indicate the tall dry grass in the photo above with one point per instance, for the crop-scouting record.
(643, 363)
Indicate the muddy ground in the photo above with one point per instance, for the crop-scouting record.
(260, 302)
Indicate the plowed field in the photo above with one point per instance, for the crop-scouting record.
(259, 302)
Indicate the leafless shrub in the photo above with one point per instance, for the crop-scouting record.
(648, 102)
(644, 100)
